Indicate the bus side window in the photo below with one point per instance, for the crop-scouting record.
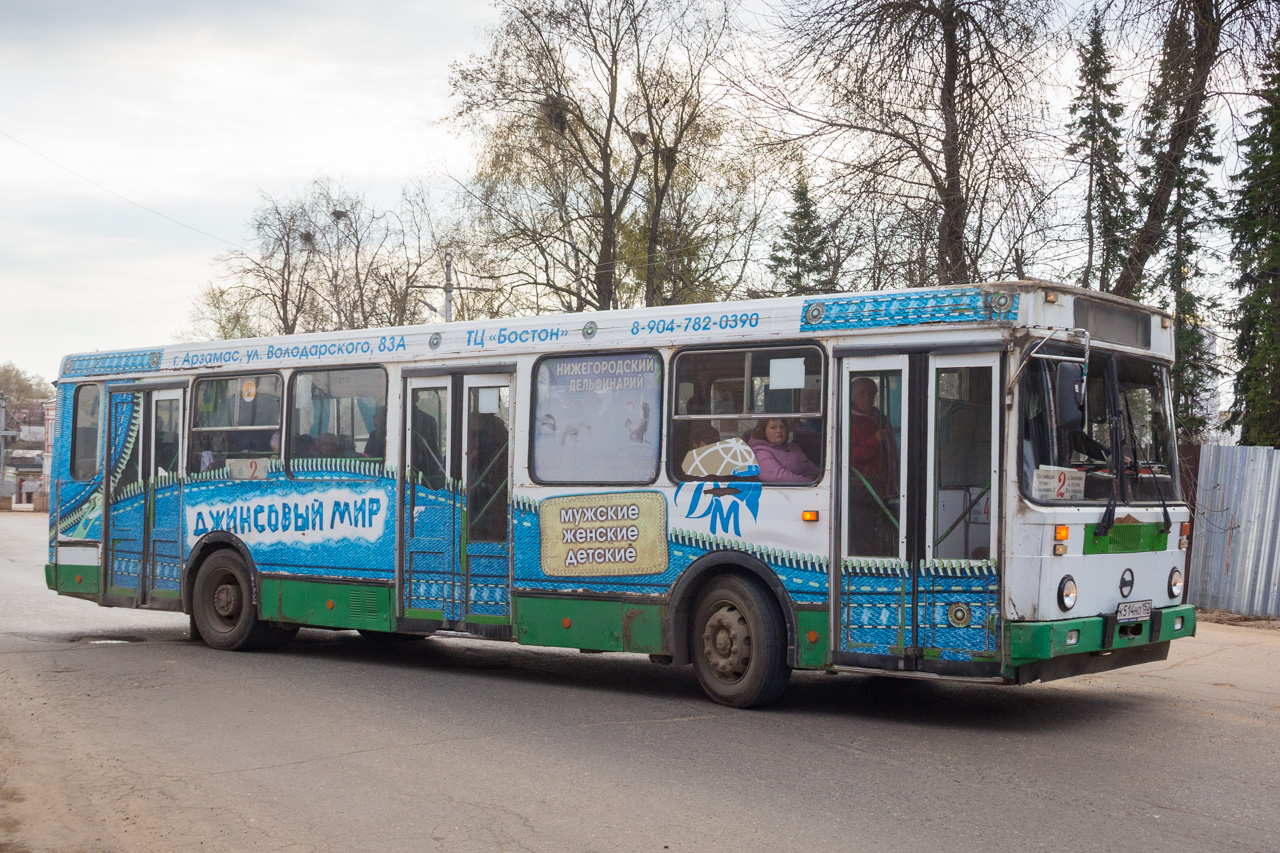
(596, 418)
(760, 411)
(339, 414)
(86, 429)
(234, 417)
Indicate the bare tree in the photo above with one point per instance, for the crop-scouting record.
(931, 102)
(1230, 33)
(220, 313)
(351, 241)
(328, 260)
(596, 120)
(679, 112)
(551, 95)
(277, 283)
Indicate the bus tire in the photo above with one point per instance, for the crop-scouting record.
(222, 603)
(738, 643)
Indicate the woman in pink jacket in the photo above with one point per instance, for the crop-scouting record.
(780, 460)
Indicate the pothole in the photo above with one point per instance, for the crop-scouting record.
(107, 641)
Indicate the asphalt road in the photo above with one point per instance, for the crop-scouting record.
(117, 733)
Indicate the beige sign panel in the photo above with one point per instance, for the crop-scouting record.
(621, 533)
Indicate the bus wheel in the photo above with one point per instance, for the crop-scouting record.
(738, 644)
(222, 603)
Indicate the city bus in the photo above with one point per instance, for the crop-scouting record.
(975, 482)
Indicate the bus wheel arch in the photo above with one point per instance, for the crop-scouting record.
(205, 548)
(224, 606)
(704, 570)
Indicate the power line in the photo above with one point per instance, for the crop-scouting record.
(110, 191)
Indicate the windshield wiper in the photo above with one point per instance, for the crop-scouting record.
(1108, 521)
(1138, 464)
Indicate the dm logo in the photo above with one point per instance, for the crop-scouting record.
(720, 502)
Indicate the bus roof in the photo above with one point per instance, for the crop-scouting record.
(995, 305)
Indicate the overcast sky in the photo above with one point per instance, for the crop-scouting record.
(193, 109)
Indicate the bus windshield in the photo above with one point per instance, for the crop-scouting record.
(1075, 465)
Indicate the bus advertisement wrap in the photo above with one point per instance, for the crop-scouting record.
(598, 417)
(286, 519)
(624, 533)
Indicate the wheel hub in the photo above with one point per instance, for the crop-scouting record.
(226, 600)
(726, 643)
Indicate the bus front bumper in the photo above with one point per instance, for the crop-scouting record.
(1043, 651)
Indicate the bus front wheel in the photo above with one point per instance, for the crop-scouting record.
(222, 603)
(738, 643)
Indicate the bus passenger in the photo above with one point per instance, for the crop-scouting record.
(868, 439)
(327, 445)
(873, 483)
(376, 445)
(304, 447)
(701, 434)
(780, 461)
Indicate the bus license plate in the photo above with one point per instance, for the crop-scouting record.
(1133, 611)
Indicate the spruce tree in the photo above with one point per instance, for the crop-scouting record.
(1096, 133)
(1178, 278)
(1255, 233)
(798, 259)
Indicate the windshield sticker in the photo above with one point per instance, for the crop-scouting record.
(1058, 484)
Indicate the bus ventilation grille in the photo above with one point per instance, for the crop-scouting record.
(363, 604)
(1126, 537)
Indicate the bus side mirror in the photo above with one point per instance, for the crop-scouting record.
(1070, 395)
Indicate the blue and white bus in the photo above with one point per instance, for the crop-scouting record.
(974, 482)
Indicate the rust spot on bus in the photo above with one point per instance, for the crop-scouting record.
(628, 616)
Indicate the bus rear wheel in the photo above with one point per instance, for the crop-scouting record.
(738, 643)
(222, 603)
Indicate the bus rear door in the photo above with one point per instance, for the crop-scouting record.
(125, 514)
(166, 454)
(456, 535)
(143, 560)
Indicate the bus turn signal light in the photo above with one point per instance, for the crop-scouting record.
(1186, 528)
(1061, 532)
(809, 515)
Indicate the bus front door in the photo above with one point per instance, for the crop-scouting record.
(918, 584)
(457, 463)
(957, 579)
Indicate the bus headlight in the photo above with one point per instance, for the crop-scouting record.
(1067, 593)
(1175, 583)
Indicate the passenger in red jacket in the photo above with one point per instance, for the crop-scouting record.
(873, 456)
(780, 460)
(867, 436)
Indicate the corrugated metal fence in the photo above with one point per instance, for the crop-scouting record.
(1235, 549)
